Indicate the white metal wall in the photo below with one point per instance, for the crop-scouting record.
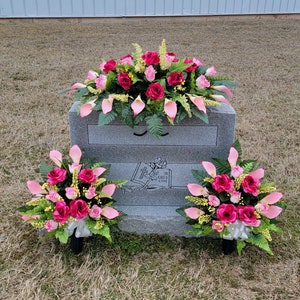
(121, 8)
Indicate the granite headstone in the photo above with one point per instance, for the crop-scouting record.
(157, 170)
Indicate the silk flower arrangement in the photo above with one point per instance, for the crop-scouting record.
(230, 201)
(73, 198)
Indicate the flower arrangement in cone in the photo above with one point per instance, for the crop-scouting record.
(230, 201)
(150, 86)
(73, 197)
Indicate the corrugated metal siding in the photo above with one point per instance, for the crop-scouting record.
(121, 8)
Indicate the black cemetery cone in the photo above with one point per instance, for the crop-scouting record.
(228, 246)
(76, 243)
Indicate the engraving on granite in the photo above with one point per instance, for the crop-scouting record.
(150, 176)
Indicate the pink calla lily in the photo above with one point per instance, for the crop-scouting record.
(224, 89)
(232, 157)
(170, 108)
(109, 212)
(76, 86)
(236, 171)
(35, 188)
(107, 104)
(193, 212)
(109, 189)
(56, 157)
(75, 153)
(98, 171)
(265, 208)
(137, 106)
(197, 189)
(199, 102)
(258, 174)
(209, 168)
(220, 98)
(86, 108)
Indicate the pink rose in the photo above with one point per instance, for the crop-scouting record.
(227, 213)
(128, 59)
(250, 185)
(71, 193)
(78, 209)
(195, 64)
(202, 82)
(211, 71)
(150, 73)
(247, 215)
(217, 225)
(91, 192)
(171, 57)
(101, 82)
(213, 200)
(95, 211)
(61, 212)
(108, 66)
(87, 175)
(223, 183)
(56, 175)
(235, 197)
(53, 196)
(175, 78)
(124, 80)
(236, 171)
(155, 91)
(50, 225)
(151, 58)
(91, 75)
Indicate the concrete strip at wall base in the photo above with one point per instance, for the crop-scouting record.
(157, 170)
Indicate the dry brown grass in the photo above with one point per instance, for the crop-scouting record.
(39, 59)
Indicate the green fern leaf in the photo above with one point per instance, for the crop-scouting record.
(183, 101)
(238, 148)
(260, 241)
(200, 115)
(105, 119)
(240, 245)
(44, 170)
(222, 165)
(199, 175)
(154, 125)
(248, 165)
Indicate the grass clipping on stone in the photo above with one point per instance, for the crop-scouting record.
(39, 59)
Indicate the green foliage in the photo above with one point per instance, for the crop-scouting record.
(80, 93)
(44, 170)
(105, 119)
(179, 66)
(199, 114)
(222, 165)
(238, 147)
(104, 230)
(225, 82)
(260, 241)
(155, 125)
(248, 165)
(62, 236)
(240, 245)
(199, 175)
